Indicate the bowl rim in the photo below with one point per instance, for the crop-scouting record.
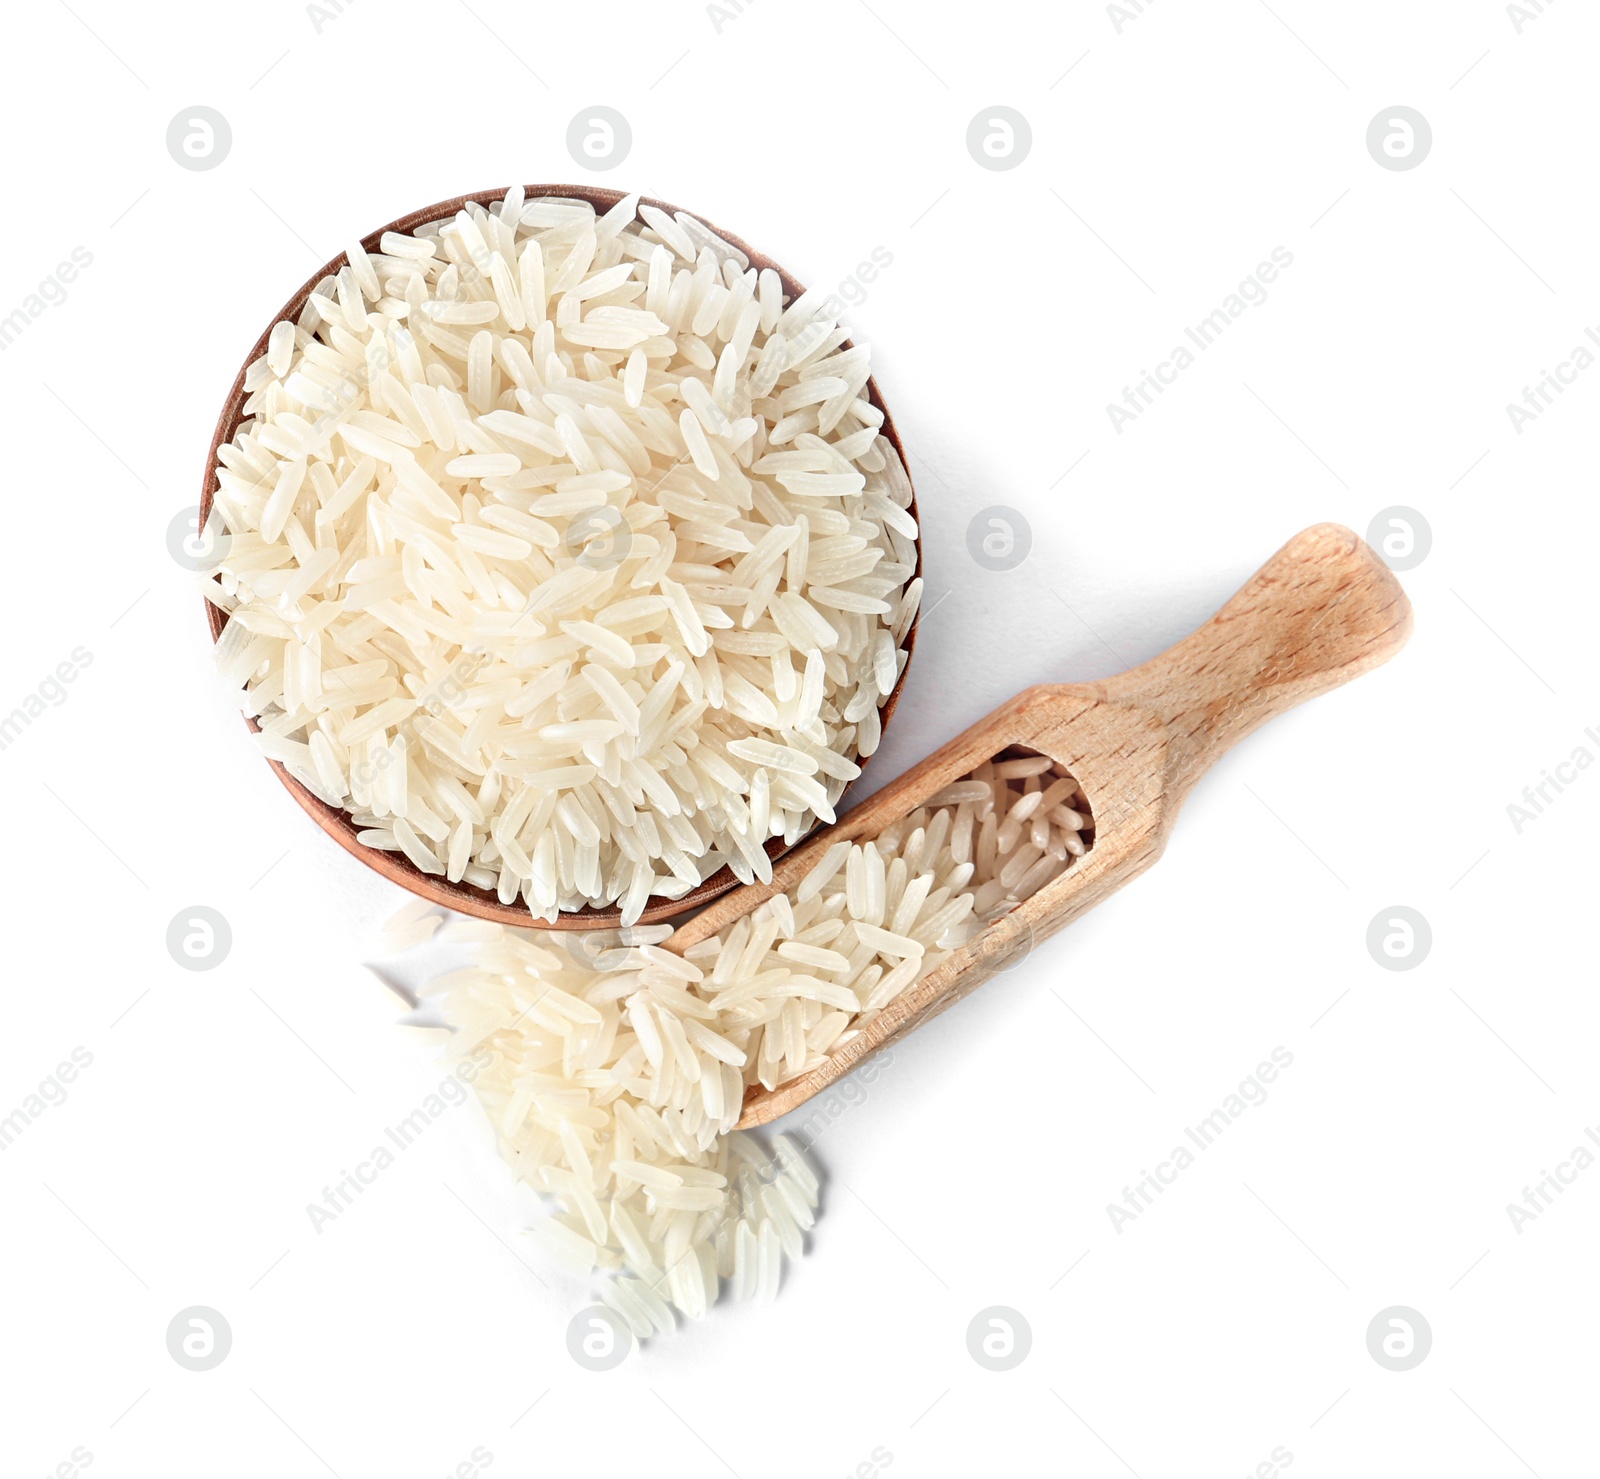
(395, 866)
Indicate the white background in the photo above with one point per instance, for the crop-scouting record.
(1167, 161)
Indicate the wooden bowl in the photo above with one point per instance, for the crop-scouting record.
(394, 866)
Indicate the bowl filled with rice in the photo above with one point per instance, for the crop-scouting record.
(565, 562)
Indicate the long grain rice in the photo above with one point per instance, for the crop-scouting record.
(618, 1069)
(548, 525)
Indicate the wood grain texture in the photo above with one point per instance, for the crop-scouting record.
(336, 823)
(1322, 611)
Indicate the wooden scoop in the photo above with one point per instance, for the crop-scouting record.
(1321, 611)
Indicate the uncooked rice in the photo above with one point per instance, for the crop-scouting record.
(564, 553)
(618, 1069)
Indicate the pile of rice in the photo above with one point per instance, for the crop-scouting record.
(565, 554)
(619, 1068)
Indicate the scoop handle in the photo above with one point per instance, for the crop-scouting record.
(1323, 610)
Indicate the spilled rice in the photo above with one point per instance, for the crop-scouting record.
(619, 1069)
